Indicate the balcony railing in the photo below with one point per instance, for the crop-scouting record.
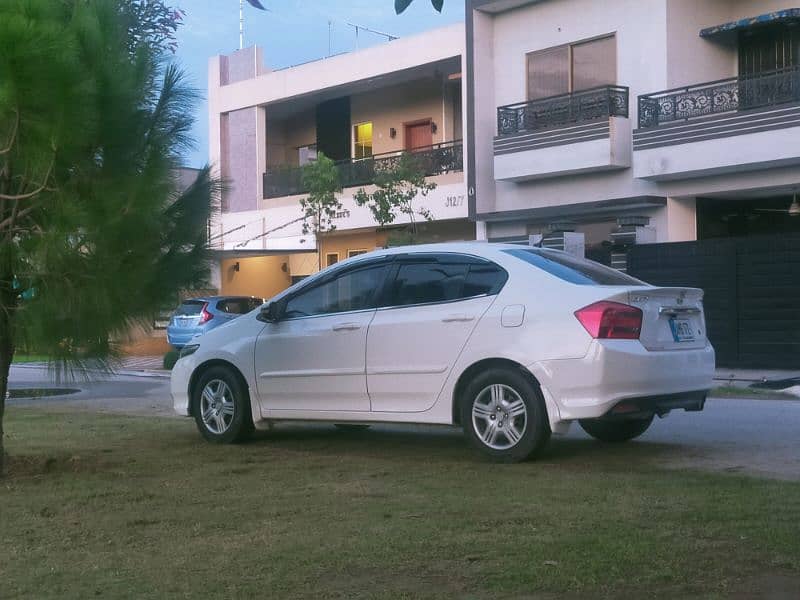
(433, 160)
(726, 95)
(568, 109)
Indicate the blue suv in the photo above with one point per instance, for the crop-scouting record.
(199, 315)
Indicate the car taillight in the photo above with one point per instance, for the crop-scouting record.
(611, 320)
(205, 316)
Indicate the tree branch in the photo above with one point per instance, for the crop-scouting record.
(38, 190)
(18, 215)
(13, 137)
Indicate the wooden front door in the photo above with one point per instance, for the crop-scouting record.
(418, 135)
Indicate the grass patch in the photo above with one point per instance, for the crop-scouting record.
(110, 506)
(29, 358)
(733, 391)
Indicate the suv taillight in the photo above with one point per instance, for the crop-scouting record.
(205, 316)
(611, 320)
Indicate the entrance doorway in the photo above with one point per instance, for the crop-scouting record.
(418, 134)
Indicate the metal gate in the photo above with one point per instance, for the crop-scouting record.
(752, 293)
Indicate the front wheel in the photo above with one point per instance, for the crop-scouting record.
(504, 416)
(221, 407)
(615, 431)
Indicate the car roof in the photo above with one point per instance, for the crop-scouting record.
(217, 298)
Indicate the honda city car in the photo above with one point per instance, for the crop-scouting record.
(508, 342)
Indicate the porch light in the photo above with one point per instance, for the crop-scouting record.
(434, 127)
(392, 132)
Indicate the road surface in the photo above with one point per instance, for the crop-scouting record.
(753, 436)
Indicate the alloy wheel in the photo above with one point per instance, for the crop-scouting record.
(499, 416)
(217, 406)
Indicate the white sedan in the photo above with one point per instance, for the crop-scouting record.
(509, 342)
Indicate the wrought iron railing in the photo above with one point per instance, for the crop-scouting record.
(726, 95)
(433, 160)
(568, 109)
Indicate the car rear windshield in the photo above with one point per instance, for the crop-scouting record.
(571, 268)
(190, 307)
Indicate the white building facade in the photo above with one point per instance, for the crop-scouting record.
(361, 109)
(652, 120)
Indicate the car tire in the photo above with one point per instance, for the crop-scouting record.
(221, 407)
(505, 398)
(351, 427)
(615, 431)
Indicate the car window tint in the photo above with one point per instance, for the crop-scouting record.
(234, 306)
(353, 290)
(571, 268)
(425, 282)
(190, 307)
(484, 279)
(254, 303)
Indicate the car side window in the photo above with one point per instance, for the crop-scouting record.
(233, 306)
(485, 278)
(443, 279)
(352, 290)
(427, 282)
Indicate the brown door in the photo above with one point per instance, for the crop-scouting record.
(418, 135)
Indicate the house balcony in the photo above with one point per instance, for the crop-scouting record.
(438, 159)
(586, 131)
(686, 132)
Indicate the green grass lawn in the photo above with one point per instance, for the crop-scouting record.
(29, 358)
(112, 506)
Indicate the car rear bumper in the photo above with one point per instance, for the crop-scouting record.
(616, 370)
(634, 408)
(180, 338)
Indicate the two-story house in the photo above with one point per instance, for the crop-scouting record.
(678, 118)
(361, 109)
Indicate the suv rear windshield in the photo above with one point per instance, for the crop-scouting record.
(571, 268)
(190, 307)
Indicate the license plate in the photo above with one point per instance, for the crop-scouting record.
(681, 330)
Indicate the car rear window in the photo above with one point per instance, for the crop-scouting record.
(571, 268)
(190, 307)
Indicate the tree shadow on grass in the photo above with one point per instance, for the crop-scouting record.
(447, 444)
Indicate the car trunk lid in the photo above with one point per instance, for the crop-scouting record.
(188, 314)
(672, 317)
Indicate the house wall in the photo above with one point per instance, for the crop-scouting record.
(658, 48)
(261, 276)
(396, 105)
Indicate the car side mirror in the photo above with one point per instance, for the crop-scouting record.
(270, 313)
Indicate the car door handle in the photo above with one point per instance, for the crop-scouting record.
(346, 326)
(458, 318)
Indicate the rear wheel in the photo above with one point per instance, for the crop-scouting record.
(617, 430)
(221, 407)
(504, 416)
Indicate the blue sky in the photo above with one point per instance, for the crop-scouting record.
(295, 31)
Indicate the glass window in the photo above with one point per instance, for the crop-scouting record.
(594, 64)
(572, 68)
(420, 283)
(548, 73)
(331, 258)
(352, 253)
(239, 306)
(484, 279)
(573, 269)
(190, 307)
(352, 290)
(362, 141)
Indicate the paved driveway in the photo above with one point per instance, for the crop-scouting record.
(760, 437)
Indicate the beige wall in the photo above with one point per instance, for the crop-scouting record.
(393, 106)
(261, 276)
(285, 136)
(690, 58)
